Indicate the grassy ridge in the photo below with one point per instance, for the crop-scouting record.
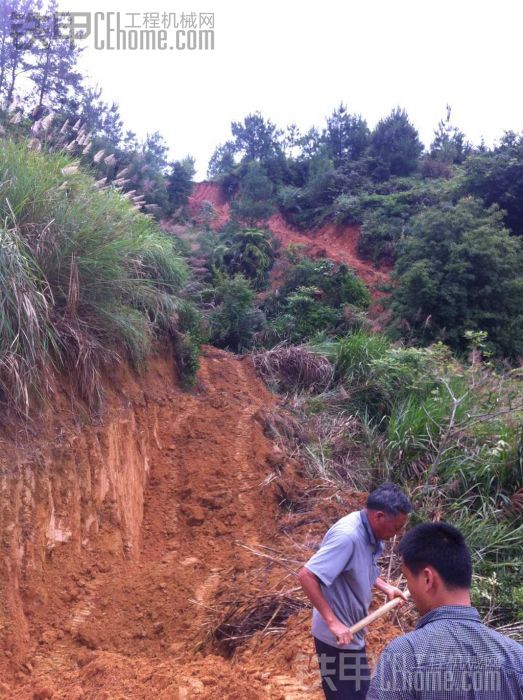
(84, 277)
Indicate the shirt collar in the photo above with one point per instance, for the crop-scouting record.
(368, 529)
(450, 612)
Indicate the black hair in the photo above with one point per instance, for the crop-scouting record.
(390, 499)
(441, 546)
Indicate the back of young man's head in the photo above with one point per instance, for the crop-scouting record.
(442, 547)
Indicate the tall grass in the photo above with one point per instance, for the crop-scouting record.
(451, 433)
(84, 277)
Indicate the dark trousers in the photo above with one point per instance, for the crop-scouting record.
(345, 673)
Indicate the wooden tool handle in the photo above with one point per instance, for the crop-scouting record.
(377, 613)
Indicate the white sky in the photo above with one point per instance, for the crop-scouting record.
(295, 61)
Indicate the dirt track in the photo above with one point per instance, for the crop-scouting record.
(119, 629)
(116, 628)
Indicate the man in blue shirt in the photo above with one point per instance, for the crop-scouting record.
(338, 581)
(451, 655)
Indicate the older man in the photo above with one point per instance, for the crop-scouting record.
(338, 581)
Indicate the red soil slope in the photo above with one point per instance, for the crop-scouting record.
(209, 192)
(339, 243)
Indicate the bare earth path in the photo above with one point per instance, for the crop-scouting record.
(134, 626)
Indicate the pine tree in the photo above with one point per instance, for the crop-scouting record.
(17, 43)
(55, 75)
(346, 135)
(449, 143)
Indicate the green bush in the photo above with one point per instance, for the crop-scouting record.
(338, 284)
(246, 251)
(379, 236)
(304, 316)
(497, 178)
(314, 297)
(235, 320)
(254, 201)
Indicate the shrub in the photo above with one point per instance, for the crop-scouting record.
(84, 277)
(235, 320)
(338, 284)
(497, 178)
(247, 251)
(313, 298)
(304, 316)
(379, 236)
(254, 201)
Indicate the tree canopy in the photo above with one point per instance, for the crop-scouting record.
(459, 270)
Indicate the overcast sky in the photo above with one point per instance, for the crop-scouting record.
(296, 61)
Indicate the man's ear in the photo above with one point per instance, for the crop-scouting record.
(428, 577)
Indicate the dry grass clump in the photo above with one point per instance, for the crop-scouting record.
(265, 613)
(294, 368)
(283, 428)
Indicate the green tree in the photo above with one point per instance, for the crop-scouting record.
(17, 44)
(460, 270)
(395, 144)
(222, 160)
(310, 143)
(346, 135)
(449, 145)
(180, 182)
(254, 201)
(98, 116)
(146, 165)
(497, 177)
(256, 138)
(54, 74)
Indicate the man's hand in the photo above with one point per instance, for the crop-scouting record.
(390, 591)
(394, 592)
(341, 632)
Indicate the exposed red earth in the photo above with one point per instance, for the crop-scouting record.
(124, 541)
(336, 242)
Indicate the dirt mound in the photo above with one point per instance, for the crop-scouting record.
(212, 193)
(336, 242)
(112, 627)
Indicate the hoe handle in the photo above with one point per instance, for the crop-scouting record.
(377, 613)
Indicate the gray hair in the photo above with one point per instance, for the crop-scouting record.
(390, 499)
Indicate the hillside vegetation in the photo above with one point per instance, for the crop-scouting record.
(85, 279)
(447, 218)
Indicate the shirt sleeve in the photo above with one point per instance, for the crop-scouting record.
(333, 556)
(390, 679)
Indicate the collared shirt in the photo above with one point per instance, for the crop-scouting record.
(346, 565)
(451, 655)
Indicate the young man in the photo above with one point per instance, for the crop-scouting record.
(338, 580)
(451, 655)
